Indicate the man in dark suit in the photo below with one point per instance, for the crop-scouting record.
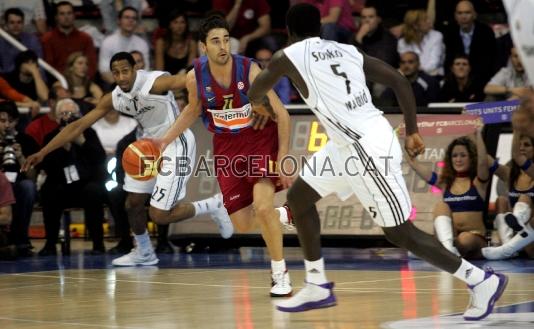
(471, 38)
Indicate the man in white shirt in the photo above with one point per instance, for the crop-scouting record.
(123, 39)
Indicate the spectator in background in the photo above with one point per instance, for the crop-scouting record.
(81, 88)
(9, 93)
(139, 60)
(46, 123)
(510, 82)
(425, 87)
(471, 38)
(336, 19)
(176, 49)
(282, 87)
(109, 10)
(75, 178)
(66, 39)
(123, 39)
(14, 22)
(249, 20)
(112, 128)
(7, 198)
(26, 77)
(523, 116)
(420, 38)
(460, 86)
(14, 147)
(34, 14)
(374, 39)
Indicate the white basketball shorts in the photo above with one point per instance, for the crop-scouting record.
(370, 168)
(169, 186)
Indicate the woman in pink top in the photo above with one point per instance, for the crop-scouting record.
(337, 22)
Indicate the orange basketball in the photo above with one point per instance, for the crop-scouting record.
(140, 160)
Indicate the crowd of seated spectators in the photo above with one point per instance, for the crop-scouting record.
(446, 51)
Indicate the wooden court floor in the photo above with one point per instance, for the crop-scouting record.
(231, 291)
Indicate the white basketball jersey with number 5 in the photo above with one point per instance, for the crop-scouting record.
(338, 95)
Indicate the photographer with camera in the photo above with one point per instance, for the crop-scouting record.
(75, 178)
(14, 147)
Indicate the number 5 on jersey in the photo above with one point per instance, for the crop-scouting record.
(341, 74)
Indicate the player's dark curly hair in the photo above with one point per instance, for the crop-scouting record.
(304, 20)
(123, 55)
(211, 22)
(448, 174)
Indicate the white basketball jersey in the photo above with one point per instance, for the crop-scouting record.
(338, 95)
(155, 113)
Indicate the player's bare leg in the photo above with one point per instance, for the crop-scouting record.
(262, 214)
(317, 292)
(143, 253)
(184, 210)
(485, 286)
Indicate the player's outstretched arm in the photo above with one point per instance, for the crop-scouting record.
(71, 131)
(381, 72)
(267, 78)
(165, 83)
(187, 116)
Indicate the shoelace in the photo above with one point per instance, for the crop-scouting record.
(278, 279)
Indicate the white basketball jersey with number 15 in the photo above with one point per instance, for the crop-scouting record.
(338, 95)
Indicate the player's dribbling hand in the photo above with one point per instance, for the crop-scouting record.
(159, 143)
(32, 161)
(414, 145)
(261, 113)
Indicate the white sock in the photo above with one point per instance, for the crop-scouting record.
(519, 241)
(143, 242)
(443, 231)
(278, 266)
(505, 232)
(315, 271)
(469, 273)
(206, 206)
(522, 212)
(284, 218)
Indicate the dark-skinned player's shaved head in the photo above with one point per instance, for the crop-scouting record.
(304, 20)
